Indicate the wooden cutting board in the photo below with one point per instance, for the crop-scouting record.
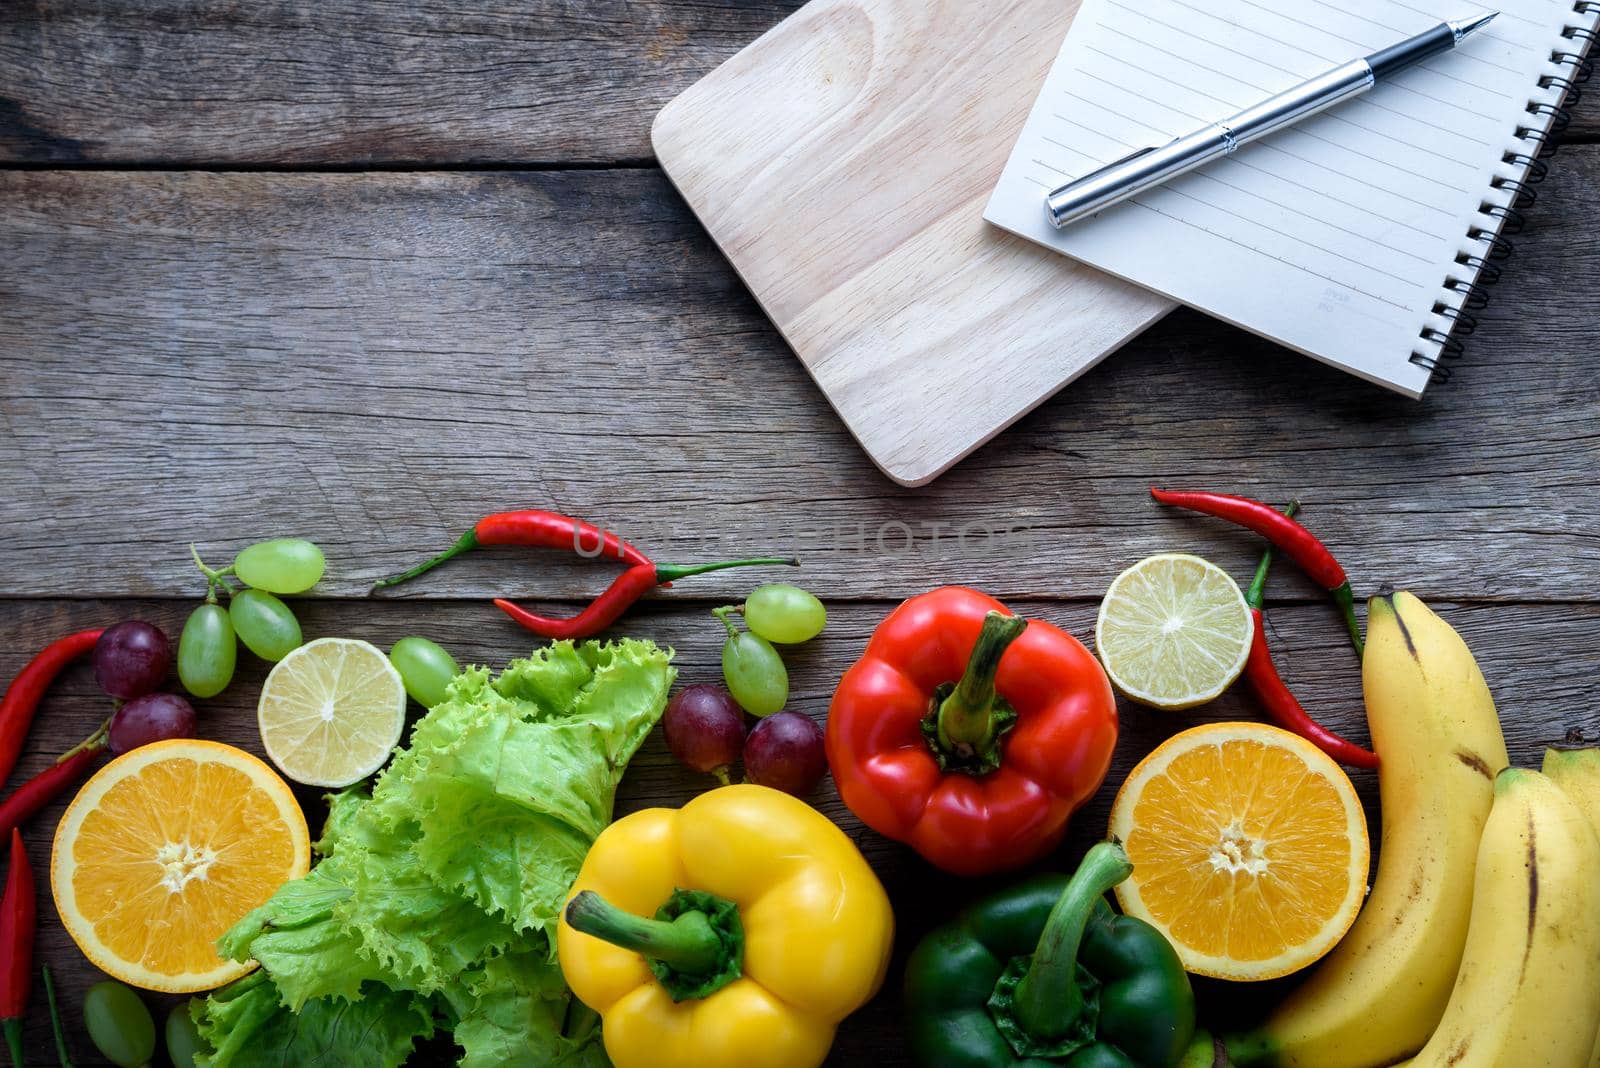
(842, 162)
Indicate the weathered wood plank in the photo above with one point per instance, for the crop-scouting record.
(374, 360)
(348, 82)
(1547, 695)
(354, 82)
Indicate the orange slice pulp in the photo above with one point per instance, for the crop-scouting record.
(163, 850)
(1249, 849)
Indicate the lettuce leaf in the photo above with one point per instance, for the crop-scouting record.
(516, 1013)
(492, 827)
(246, 1026)
(372, 907)
(437, 893)
(295, 934)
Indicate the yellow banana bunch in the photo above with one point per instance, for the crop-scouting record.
(1528, 992)
(1378, 996)
(1577, 772)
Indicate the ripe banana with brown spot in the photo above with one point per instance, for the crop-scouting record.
(1577, 772)
(1528, 993)
(1378, 996)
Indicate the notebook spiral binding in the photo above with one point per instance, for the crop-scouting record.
(1565, 76)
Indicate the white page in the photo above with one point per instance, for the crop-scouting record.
(1335, 237)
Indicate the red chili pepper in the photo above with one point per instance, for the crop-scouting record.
(547, 530)
(1297, 543)
(46, 786)
(631, 585)
(1280, 702)
(21, 701)
(18, 922)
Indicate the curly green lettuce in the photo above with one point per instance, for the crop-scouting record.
(516, 1013)
(245, 1024)
(438, 893)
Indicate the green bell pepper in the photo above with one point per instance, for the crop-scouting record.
(1047, 974)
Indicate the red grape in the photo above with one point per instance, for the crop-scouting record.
(155, 717)
(131, 659)
(785, 752)
(704, 729)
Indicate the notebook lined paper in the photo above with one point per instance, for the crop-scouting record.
(1336, 237)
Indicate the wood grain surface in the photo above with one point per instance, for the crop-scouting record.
(1538, 660)
(354, 82)
(361, 82)
(375, 360)
(364, 270)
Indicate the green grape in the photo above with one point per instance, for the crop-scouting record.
(265, 624)
(283, 565)
(120, 1026)
(752, 669)
(207, 651)
(183, 1037)
(424, 667)
(784, 614)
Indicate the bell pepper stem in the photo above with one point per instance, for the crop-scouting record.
(466, 543)
(687, 944)
(1255, 596)
(666, 573)
(1048, 998)
(967, 719)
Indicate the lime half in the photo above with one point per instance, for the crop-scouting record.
(332, 711)
(1174, 631)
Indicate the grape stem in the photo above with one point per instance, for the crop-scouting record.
(724, 612)
(215, 579)
(97, 740)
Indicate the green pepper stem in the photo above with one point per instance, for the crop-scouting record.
(1345, 599)
(688, 943)
(967, 719)
(1048, 999)
(1255, 596)
(673, 572)
(466, 543)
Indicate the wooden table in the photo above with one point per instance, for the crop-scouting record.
(364, 270)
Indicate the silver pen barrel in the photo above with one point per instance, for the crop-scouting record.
(1142, 170)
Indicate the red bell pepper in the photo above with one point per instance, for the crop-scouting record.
(970, 733)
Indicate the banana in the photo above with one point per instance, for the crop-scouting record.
(1577, 772)
(1377, 997)
(1529, 988)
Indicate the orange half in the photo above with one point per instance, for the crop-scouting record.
(163, 850)
(1249, 849)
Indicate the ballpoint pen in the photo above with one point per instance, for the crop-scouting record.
(1149, 167)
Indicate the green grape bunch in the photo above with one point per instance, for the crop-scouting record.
(208, 648)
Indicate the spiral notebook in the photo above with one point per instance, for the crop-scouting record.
(1360, 237)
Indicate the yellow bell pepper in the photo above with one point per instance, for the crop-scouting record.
(735, 932)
